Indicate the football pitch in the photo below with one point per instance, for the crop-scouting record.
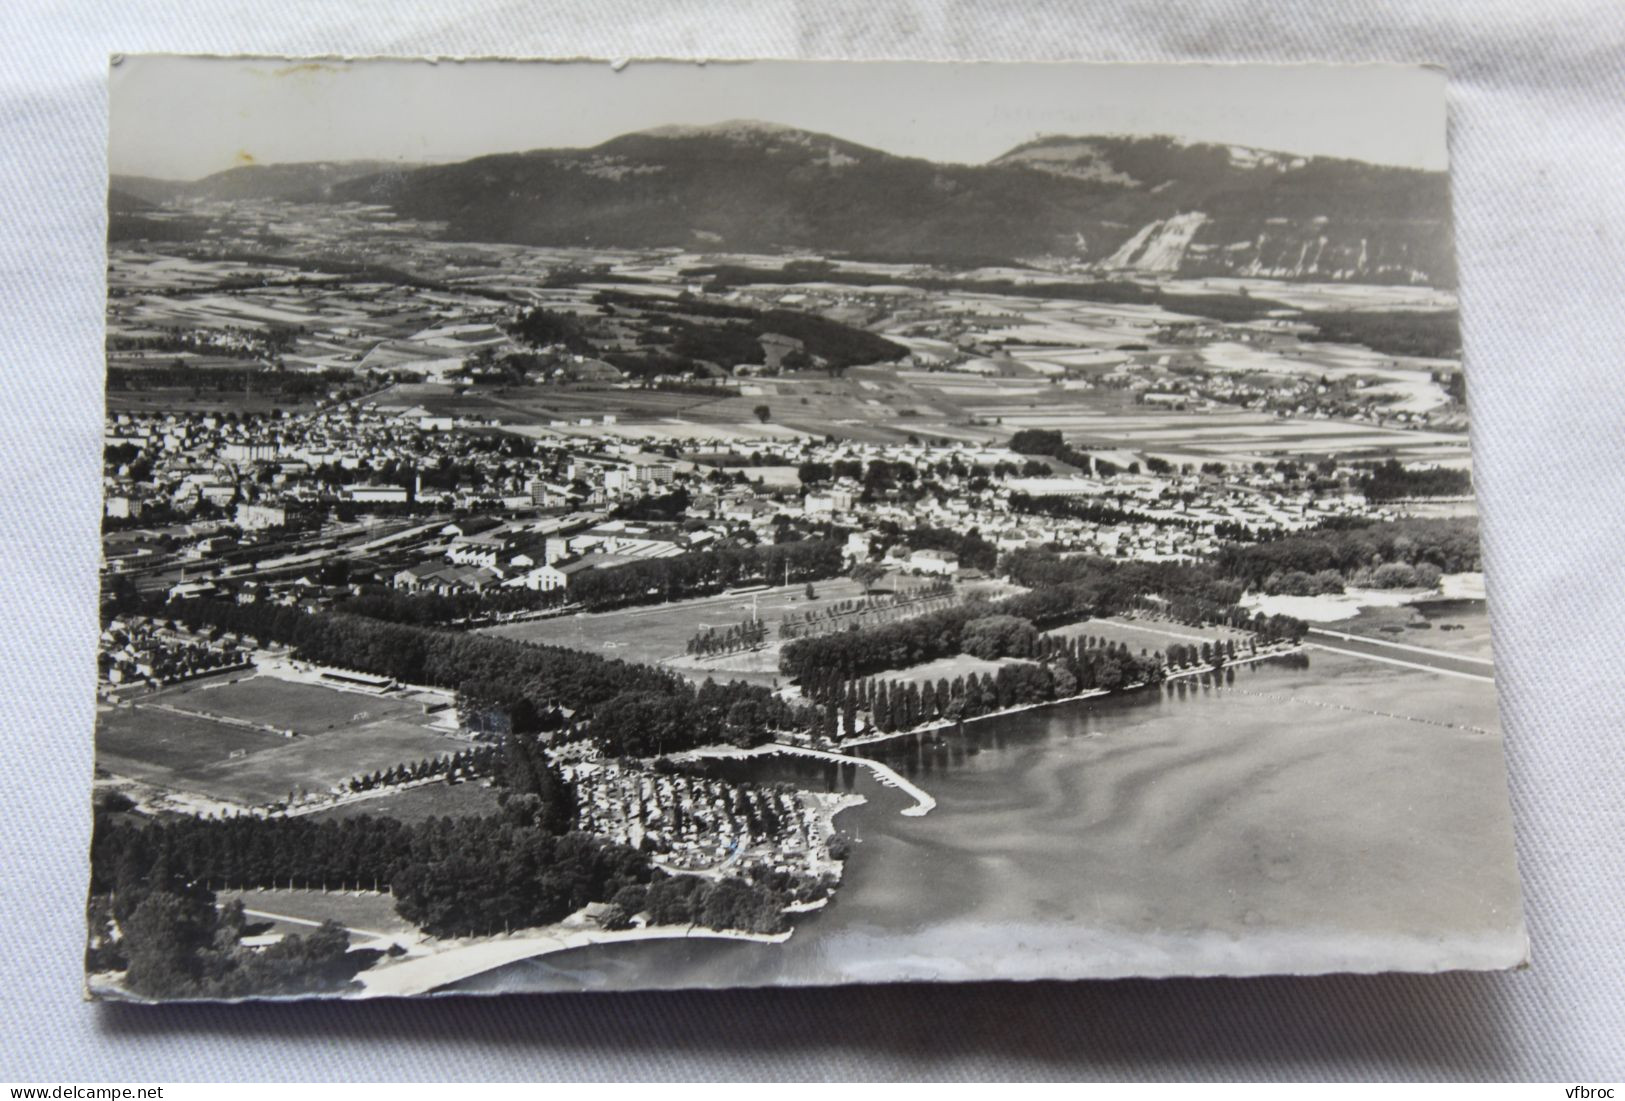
(284, 704)
(148, 741)
(200, 751)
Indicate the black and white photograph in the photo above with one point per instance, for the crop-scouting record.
(589, 526)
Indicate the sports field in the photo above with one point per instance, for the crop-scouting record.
(286, 705)
(316, 764)
(341, 734)
(147, 741)
(661, 631)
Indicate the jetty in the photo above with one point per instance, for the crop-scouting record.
(924, 803)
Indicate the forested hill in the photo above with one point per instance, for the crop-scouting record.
(1150, 204)
(307, 181)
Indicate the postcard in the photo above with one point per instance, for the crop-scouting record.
(662, 525)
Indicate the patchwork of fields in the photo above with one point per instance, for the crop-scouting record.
(1234, 437)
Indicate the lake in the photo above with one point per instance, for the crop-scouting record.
(1328, 814)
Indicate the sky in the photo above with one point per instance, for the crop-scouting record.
(183, 117)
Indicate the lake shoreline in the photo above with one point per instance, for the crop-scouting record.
(443, 971)
(1195, 840)
(427, 974)
(1280, 650)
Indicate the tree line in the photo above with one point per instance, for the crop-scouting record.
(1101, 512)
(471, 876)
(535, 684)
(230, 342)
(699, 573)
(1391, 481)
(937, 634)
(737, 340)
(293, 385)
(1047, 441)
(179, 944)
(870, 609)
(1449, 545)
(1183, 592)
(1063, 668)
(1219, 307)
(427, 609)
(748, 634)
(1063, 589)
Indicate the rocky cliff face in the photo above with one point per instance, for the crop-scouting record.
(1232, 210)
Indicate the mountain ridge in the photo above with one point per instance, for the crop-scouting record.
(1154, 204)
(289, 181)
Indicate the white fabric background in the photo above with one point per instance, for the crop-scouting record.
(1538, 118)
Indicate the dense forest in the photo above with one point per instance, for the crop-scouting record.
(450, 877)
(732, 334)
(1185, 591)
(1061, 668)
(539, 327)
(870, 650)
(177, 943)
(1435, 334)
(1047, 441)
(1063, 589)
(1446, 546)
(1391, 481)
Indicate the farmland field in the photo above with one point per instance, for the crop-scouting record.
(540, 403)
(1234, 437)
(173, 399)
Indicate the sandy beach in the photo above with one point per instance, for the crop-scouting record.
(444, 962)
